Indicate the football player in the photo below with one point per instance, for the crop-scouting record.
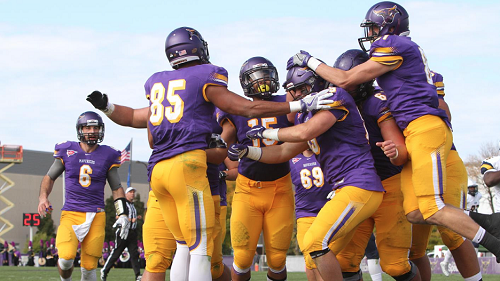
(473, 196)
(490, 169)
(401, 69)
(182, 102)
(311, 193)
(393, 231)
(311, 190)
(263, 199)
(456, 182)
(87, 165)
(339, 140)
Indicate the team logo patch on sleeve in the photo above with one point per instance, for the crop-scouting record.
(70, 152)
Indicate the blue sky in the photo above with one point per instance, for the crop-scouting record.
(54, 53)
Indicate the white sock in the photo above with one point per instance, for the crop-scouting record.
(199, 268)
(476, 277)
(66, 279)
(88, 275)
(479, 235)
(374, 269)
(447, 256)
(180, 265)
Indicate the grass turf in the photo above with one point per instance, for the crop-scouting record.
(124, 274)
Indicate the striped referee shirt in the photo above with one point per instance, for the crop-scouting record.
(132, 215)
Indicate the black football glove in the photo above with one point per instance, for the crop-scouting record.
(222, 175)
(98, 100)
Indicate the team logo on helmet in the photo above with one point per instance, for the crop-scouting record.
(387, 14)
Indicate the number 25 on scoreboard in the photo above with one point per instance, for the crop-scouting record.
(31, 219)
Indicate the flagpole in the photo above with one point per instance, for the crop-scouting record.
(130, 165)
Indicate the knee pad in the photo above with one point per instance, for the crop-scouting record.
(240, 270)
(89, 263)
(156, 263)
(217, 269)
(352, 276)
(409, 275)
(65, 264)
(451, 239)
(88, 275)
(276, 260)
(395, 269)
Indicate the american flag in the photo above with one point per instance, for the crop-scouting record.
(127, 153)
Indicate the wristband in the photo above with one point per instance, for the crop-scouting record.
(271, 134)
(121, 206)
(109, 109)
(254, 153)
(295, 106)
(313, 63)
(397, 154)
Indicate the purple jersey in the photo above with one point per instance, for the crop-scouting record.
(311, 189)
(180, 111)
(213, 169)
(251, 169)
(374, 110)
(86, 174)
(409, 88)
(343, 150)
(437, 79)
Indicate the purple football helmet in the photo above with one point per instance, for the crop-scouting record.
(259, 78)
(90, 118)
(185, 44)
(297, 77)
(386, 16)
(350, 59)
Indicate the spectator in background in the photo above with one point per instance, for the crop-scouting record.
(41, 255)
(31, 254)
(5, 253)
(15, 254)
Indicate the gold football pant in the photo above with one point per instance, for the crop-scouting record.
(266, 206)
(91, 248)
(181, 186)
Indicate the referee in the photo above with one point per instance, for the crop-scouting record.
(130, 242)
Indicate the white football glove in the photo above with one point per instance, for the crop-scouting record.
(330, 195)
(124, 225)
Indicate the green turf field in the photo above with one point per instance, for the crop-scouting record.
(119, 274)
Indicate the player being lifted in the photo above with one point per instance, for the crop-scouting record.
(401, 70)
(393, 231)
(87, 165)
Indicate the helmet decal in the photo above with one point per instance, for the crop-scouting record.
(387, 14)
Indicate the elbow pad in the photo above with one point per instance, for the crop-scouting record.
(121, 206)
